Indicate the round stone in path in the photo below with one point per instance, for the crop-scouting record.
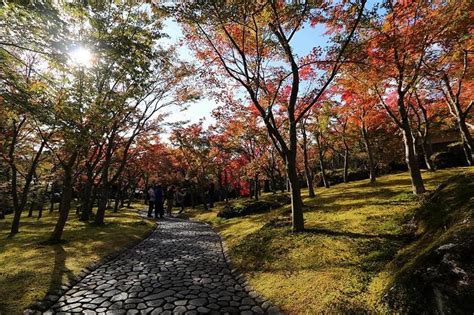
(179, 269)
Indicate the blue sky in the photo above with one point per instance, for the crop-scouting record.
(303, 42)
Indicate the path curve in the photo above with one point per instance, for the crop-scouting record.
(179, 269)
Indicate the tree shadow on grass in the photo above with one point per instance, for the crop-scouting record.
(260, 249)
(328, 232)
(59, 268)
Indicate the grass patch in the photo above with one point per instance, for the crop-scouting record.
(29, 269)
(342, 263)
(435, 272)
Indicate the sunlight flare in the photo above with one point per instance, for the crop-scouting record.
(81, 56)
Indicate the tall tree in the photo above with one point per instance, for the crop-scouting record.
(251, 43)
(398, 44)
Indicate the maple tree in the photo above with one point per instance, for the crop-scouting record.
(451, 68)
(397, 44)
(248, 42)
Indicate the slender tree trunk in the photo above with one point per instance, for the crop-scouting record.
(321, 162)
(20, 202)
(272, 182)
(131, 196)
(468, 142)
(296, 202)
(412, 162)
(323, 174)
(66, 198)
(118, 198)
(307, 168)
(346, 162)
(41, 206)
(31, 208)
(204, 200)
(250, 189)
(105, 182)
(51, 205)
(370, 155)
(102, 206)
(87, 200)
(427, 153)
(256, 186)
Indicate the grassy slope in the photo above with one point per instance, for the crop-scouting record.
(341, 263)
(435, 272)
(29, 270)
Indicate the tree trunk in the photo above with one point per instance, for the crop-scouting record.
(87, 200)
(256, 188)
(193, 197)
(370, 155)
(40, 206)
(468, 142)
(273, 183)
(105, 183)
(204, 200)
(346, 162)
(31, 208)
(412, 162)
(323, 174)
(321, 162)
(51, 206)
(20, 202)
(296, 202)
(102, 206)
(307, 169)
(427, 152)
(118, 198)
(66, 197)
(131, 196)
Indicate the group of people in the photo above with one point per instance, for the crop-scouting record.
(157, 198)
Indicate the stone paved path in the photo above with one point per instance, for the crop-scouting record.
(179, 269)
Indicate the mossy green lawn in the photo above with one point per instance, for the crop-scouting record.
(342, 262)
(28, 269)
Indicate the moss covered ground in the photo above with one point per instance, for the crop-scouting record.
(343, 263)
(29, 269)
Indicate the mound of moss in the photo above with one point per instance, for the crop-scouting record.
(252, 206)
(436, 272)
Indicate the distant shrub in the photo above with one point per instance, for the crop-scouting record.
(452, 157)
(337, 176)
(253, 206)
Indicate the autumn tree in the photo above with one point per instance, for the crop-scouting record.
(251, 43)
(397, 44)
(451, 68)
(194, 144)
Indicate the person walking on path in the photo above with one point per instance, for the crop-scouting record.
(170, 192)
(211, 193)
(180, 198)
(158, 201)
(151, 200)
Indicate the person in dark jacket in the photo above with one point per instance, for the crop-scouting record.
(211, 194)
(158, 201)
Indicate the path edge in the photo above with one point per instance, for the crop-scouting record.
(51, 297)
(263, 303)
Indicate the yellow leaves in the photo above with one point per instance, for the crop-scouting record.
(37, 86)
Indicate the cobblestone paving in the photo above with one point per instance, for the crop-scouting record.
(179, 269)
